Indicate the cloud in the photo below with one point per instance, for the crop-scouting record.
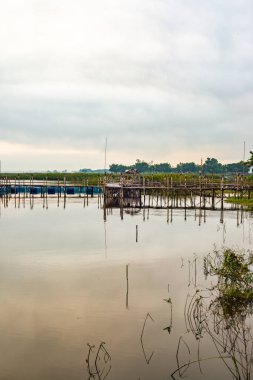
(164, 80)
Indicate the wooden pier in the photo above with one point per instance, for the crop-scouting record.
(203, 192)
(47, 188)
(136, 191)
(22, 190)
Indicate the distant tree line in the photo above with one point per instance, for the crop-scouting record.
(210, 166)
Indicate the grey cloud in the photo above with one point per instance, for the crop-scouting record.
(179, 74)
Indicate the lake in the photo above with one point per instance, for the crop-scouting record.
(82, 298)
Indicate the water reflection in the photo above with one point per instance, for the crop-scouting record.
(147, 357)
(30, 198)
(72, 277)
(200, 214)
(98, 362)
(169, 326)
(222, 313)
(127, 288)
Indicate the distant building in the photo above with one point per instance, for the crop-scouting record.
(251, 169)
(131, 171)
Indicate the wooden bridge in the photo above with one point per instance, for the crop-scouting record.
(138, 191)
(141, 193)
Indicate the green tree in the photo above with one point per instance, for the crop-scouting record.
(163, 167)
(212, 166)
(187, 167)
(250, 160)
(142, 166)
(237, 167)
(118, 168)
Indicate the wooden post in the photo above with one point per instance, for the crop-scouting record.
(200, 191)
(64, 184)
(121, 195)
(213, 198)
(30, 188)
(58, 191)
(46, 188)
(222, 192)
(144, 192)
(15, 190)
(19, 195)
(127, 283)
(84, 191)
(185, 205)
(24, 195)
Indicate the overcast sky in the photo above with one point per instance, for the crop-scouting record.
(164, 80)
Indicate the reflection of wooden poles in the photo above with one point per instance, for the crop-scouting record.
(197, 361)
(142, 345)
(181, 339)
(102, 359)
(221, 216)
(169, 327)
(127, 283)
(107, 357)
(195, 272)
(229, 333)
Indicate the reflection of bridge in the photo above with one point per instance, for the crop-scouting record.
(202, 192)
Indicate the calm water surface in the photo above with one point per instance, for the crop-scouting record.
(81, 299)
